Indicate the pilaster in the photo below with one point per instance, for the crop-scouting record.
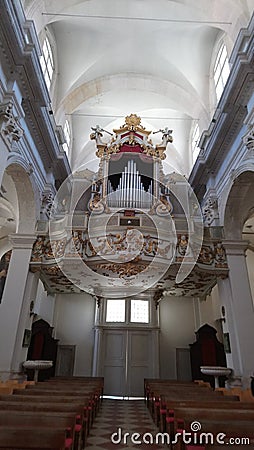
(97, 354)
(14, 304)
(235, 294)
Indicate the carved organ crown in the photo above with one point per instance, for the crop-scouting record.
(130, 168)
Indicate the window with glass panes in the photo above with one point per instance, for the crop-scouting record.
(139, 311)
(115, 311)
(194, 142)
(221, 71)
(47, 62)
(67, 135)
(127, 311)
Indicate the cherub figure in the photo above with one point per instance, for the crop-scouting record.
(166, 136)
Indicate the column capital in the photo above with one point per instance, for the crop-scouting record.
(24, 241)
(236, 248)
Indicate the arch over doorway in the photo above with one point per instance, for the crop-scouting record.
(239, 205)
(27, 193)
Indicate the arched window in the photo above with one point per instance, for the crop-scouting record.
(221, 71)
(47, 62)
(67, 135)
(194, 142)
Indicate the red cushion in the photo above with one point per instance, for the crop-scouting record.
(170, 419)
(78, 428)
(68, 443)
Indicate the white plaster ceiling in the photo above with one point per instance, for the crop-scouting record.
(149, 57)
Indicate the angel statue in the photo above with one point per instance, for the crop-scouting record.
(98, 133)
(166, 136)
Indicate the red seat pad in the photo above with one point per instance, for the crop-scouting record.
(68, 443)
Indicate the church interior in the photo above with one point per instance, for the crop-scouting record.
(127, 201)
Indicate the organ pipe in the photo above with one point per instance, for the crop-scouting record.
(130, 192)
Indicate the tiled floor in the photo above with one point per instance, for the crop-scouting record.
(120, 417)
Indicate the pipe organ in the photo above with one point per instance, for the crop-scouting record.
(130, 168)
(130, 192)
(128, 240)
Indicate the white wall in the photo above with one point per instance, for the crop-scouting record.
(177, 320)
(210, 312)
(44, 305)
(73, 322)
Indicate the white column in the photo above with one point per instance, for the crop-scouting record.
(156, 170)
(4, 153)
(25, 320)
(97, 354)
(13, 302)
(105, 164)
(155, 353)
(235, 295)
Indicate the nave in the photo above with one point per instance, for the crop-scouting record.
(117, 417)
(72, 414)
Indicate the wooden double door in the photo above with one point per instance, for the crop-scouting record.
(129, 356)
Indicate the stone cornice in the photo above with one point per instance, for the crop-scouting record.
(231, 112)
(235, 248)
(22, 241)
(21, 50)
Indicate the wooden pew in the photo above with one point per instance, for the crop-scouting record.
(160, 405)
(94, 390)
(67, 421)
(90, 402)
(244, 395)
(184, 404)
(34, 438)
(51, 399)
(232, 428)
(6, 390)
(159, 394)
(191, 414)
(52, 407)
(168, 403)
(237, 417)
(155, 389)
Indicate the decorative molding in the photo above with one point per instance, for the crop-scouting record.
(10, 127)
(122, 270)
(248, 139)
(210, 210)
(98, 300)
(22, 241)
(157, 297)
(235, 248)
(47, 202)
(133, 135)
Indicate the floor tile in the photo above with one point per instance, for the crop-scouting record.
(117, 417)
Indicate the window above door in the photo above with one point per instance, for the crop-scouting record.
(127, 311)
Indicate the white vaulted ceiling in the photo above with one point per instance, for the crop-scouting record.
(149, 57)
